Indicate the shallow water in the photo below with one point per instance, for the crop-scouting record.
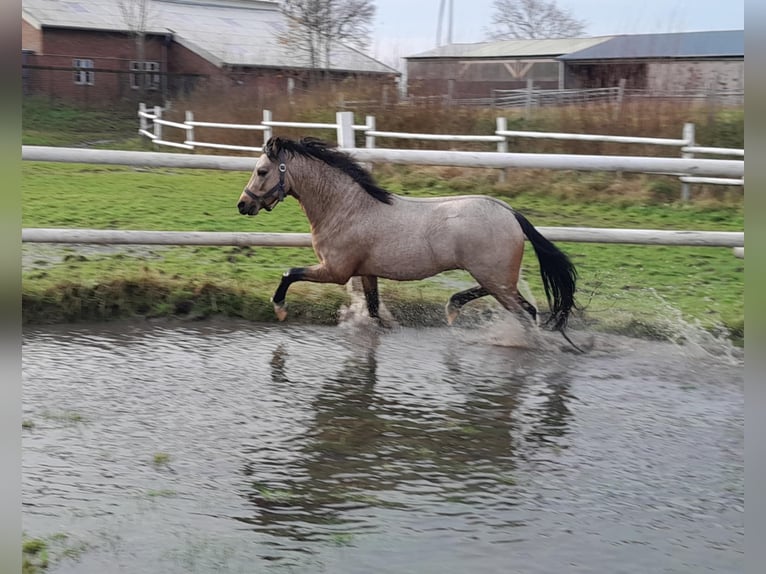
(234, 447)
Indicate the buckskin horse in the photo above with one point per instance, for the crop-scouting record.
(360, 229)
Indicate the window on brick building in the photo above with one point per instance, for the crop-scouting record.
(149, 79)
(83, 73)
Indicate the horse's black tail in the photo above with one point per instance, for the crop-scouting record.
(558, 274)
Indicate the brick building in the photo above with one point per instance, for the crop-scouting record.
(85, 51)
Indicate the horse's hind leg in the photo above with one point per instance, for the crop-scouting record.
(457, 301)
(527, 306)
(513, 301)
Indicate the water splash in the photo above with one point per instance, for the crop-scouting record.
(691, 338)
(667, 323)
(355, 314)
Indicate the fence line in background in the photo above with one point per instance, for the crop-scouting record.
(565, 234)
(686, 144)
(659, 165)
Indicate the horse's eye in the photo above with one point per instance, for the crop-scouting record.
(263, 171)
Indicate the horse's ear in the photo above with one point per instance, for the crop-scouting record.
(272, 147)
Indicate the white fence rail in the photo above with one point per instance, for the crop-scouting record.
(345, 128)
(573, 234)
(487, 159)
(658, 165)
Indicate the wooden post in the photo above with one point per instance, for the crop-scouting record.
(620, 96)
(528, 102)
(190, 132)
(688, 136)
(268, 131)
(502, 146)
(141, 118)
(369, 141)
(157, 126)
(345, 122)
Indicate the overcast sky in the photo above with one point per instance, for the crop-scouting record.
(406, 27)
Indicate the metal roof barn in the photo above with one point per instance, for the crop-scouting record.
(713, 44)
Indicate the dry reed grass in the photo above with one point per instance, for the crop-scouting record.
(719, 127)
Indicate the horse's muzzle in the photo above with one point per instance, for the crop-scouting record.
(246, 209)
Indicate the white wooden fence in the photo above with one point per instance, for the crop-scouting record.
(344, 127)
(704, 167)
(659, 165)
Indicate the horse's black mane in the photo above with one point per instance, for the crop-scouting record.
(317, 149)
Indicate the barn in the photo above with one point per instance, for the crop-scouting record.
(680, 61)
(86, 51)
(474, 70)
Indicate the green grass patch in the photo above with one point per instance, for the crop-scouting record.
(161, 493)
(40, 553)
(34, 556)
(66, 417)
(60, 124)
(160, 459)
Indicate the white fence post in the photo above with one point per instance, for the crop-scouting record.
(688, 135)
(345, 127)
(157, 125)
(190, 131)
(528, 102)
(141, 118)
(345, 122)
(369, 141)
(620, 97)
(502, 146)
(267, 132)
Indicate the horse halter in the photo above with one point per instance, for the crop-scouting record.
(278, 189)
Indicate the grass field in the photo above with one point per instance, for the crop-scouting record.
(635, 289)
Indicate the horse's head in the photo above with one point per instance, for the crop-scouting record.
(266, 187)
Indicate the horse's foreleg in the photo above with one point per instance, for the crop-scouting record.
(315, 274)
(288, 278)
(370, 286)
(459, 299)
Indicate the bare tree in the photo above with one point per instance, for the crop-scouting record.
(317, 25)
(533, 19)
(136, 14)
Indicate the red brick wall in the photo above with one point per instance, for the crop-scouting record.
(108, 51)
(112, 52)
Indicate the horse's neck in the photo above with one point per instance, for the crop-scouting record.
(328, 196)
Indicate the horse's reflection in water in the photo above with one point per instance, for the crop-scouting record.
(369, 436)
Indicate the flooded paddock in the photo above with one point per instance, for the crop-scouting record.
(233, 447)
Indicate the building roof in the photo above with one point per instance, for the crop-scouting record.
(225, 32)
(550, 47)
(717, 43)
(720, 43)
